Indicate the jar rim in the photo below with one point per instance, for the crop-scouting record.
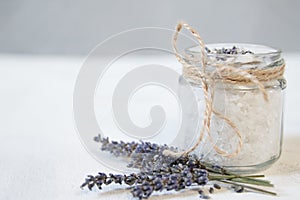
(257, 49)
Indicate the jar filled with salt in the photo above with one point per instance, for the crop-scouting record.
(243, 121)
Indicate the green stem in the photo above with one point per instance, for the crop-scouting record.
(250, 187)
(241, 179)
(253, 181)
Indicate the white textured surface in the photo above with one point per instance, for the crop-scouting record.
(41, 154)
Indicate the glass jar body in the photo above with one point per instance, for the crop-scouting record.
(259, 122)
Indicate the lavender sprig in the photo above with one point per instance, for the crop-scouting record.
(144, 156)
(162, 172)
(145, 185)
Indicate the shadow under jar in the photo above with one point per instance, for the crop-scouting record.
(259, 122)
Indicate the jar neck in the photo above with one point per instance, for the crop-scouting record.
(241, 64)
(243, 56)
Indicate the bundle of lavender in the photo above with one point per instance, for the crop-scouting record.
(159, 171)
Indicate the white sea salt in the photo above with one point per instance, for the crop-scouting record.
(259, 122)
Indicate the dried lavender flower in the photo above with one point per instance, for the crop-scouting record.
(218, 187)
(239, 189)
(160, 172)
(233, 51)
(204, 197)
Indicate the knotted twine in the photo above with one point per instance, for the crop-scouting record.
(222, 72)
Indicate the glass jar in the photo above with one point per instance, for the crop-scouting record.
(259, 122)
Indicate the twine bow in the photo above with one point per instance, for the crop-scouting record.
(225, 73)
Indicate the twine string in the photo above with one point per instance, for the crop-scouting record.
(225, 73)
